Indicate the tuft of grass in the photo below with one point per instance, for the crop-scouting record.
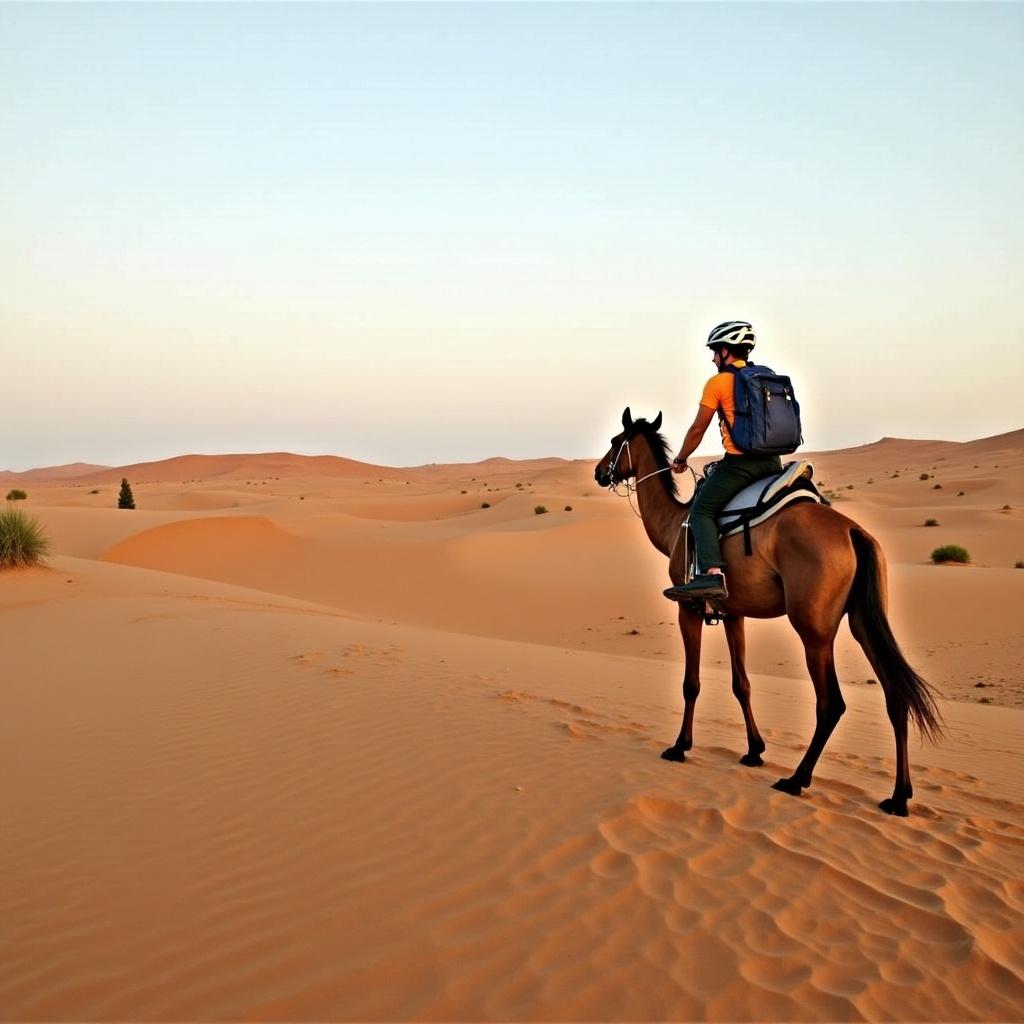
(16, 494)
(951, 553)
(1019, 564)
(960, 494)
(22, 541)
(849, 487)
(539, 510)
(937, 487)
(931, 522)
(94, 491)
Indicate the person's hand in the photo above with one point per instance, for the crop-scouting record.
(678, 465)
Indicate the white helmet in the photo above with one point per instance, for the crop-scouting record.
(732, 332)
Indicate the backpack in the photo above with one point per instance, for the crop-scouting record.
(767, 420)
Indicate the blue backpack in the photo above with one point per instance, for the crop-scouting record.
(767, 420)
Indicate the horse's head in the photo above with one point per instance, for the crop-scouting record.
(618, 463)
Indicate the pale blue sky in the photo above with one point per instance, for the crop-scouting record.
(426, 232)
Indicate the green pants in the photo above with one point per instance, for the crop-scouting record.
(728, 478)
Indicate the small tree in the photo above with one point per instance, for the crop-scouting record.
(125, 498)
(16, 494)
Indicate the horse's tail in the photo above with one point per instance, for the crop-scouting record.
(870, 625)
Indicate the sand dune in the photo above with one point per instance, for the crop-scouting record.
(247, 808)
(311, 742)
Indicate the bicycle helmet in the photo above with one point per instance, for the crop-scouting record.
(732, 332)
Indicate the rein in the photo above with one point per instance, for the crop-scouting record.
(631, 489)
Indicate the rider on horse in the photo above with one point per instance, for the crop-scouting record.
(731, 344)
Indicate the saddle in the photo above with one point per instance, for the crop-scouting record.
(763, 498)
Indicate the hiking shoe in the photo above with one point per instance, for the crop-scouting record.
(699, 587)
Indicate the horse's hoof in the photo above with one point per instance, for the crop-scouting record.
(673, 754)
(752, 760)
(898, 808)
(790, 786)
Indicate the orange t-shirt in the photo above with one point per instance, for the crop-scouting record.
(718, 393)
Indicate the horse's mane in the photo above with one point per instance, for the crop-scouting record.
(661, 450)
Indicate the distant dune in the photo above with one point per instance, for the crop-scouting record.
(69, 472)
(264, 464)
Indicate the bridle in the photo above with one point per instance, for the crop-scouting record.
(631, 489)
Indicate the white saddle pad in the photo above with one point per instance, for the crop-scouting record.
(765, 494)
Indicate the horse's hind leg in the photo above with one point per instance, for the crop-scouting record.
(830, 708)
(691, 622)
(898, 715)
(736, 638)
(903, 791)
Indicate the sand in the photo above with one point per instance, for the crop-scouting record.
(322, 741)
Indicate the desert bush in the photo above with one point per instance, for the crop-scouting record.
(931, 522)
(539, 510)
(568, 508)
(924, 476)
(126, 499)
(937, 487)
(94, 491)
(951, 553)
(960, 494)
(22, 541)
(16, 494)
(485, 504)
(849, 487)
(1018, 564)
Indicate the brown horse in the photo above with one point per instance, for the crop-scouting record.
(809, 563)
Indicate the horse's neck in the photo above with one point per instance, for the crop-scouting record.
(661, 513)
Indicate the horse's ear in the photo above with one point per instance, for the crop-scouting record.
(656, 422)
(627, 418)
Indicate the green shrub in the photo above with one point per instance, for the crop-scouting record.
(931, 522)
(22, 541)
(125, 499)
(539, 510)
(950, 553)
(16, 494)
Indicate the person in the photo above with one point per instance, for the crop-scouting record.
(731, 344)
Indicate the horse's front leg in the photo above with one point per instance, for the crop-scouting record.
(691, 623)
(735, 636)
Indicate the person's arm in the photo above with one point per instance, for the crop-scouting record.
(693, 437)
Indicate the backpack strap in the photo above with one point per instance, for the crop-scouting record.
(729, 368)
